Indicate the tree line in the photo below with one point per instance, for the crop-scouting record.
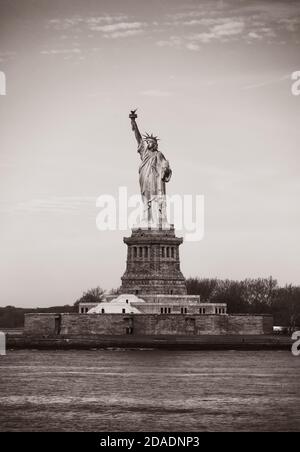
(13, 317)
(251, 296)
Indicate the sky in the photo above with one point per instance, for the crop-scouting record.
(211, 78)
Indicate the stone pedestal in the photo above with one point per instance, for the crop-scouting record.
(153, 264)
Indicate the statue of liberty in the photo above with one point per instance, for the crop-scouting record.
(154, 172)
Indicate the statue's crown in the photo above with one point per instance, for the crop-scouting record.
(150, 137)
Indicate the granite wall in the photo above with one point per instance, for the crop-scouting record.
(73, 324)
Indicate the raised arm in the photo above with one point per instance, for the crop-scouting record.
(134, 126)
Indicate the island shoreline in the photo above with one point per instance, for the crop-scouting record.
(203, 342)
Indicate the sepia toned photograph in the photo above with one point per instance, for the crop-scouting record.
(149, 219)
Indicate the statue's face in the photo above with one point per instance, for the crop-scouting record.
(152, 145)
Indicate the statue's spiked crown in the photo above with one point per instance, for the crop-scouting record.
(150, 137)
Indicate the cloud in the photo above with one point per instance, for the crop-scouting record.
(120, 29)
(105, 19)
(254, 35)
(207, 22)
(88, 22)
(203, 37)
(260, 34)
(192, 26)
(192, 46)
(193, 22)
(211, 29)
(109, 31)
(222, 22)
(123, 34)
(291, 24)
(114, 26)
(53, 204)
(231, 28)
(64, 24)
(204, 10)
(75, 50)
(220, 32)
(118, 26)
(173, 41)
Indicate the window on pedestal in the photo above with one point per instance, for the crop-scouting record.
(141, 251)
(163, 252)
(168, 251)
(172, 252)
(135, 252)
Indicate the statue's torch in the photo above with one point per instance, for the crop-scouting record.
(133, 117)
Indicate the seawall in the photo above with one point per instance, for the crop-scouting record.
(72, 324)
(190, 332)
(203, 342)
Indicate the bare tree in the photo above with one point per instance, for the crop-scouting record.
(95, 295)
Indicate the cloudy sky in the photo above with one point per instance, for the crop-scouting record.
(211, 78)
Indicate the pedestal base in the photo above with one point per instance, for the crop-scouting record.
(153, 264)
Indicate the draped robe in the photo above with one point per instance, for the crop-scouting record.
(154, 172)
